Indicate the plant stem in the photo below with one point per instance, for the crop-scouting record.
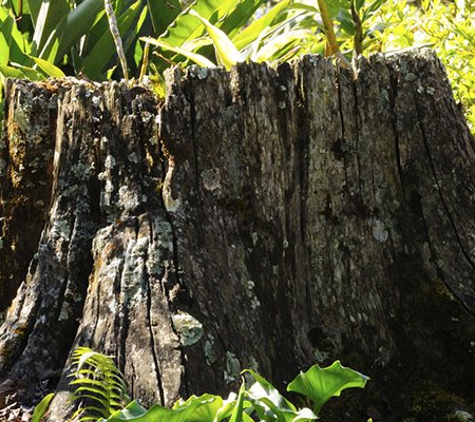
(117, 39)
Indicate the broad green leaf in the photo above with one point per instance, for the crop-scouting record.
(185, 27)
(11, 72)
(209, 410)
(321, 384)
(264, 396)
(155, 413)
(240, 17)
(253, 31)
(12, 44)
(42, 407)
(226, 52)
(49, 15)
(163, 13)
(48, 68)
(131, 411)
(197, 58)
(71, 28)
(6, 28)
(29, 72)
(98, 57)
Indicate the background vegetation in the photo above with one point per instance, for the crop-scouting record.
(88, 38)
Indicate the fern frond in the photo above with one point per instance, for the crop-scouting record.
(100, 386)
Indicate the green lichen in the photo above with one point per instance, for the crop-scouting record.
(188, 328)
(233, 368)
(210, 353)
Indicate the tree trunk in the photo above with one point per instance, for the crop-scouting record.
(259, 218)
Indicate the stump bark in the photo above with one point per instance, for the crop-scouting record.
(262, 218)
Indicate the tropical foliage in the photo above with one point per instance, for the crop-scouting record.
(40, 38)
(102, 396)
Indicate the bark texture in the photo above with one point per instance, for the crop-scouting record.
(259, 218)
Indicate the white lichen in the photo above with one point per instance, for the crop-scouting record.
(188, 328)
(379, 231)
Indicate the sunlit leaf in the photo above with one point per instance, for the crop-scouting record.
(226, 52)
(48, 68)
(72, 27)
(321, 384)
(104, 49)
(42, 407)
(278, 43)
(197, 58)
(252, 32)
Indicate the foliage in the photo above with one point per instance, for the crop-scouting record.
(98, 381)
(42, 407)
(100, 387)
(446, 26)
(40, 38)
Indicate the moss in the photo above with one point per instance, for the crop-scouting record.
(433, 402)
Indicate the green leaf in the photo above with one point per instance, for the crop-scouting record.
(71, 28)
(264, 396)
(135, 412)
(11, 72)
(29, 72)
(277, 44)
(48, 68)
(252, 32)
(226, 52)
(6, 28)
(42, 407)
(185, 27)
(238, 411)
(98, 57)
(48, 17)
(320, 384)
(197, 58)
(163, 13)
(240, 17)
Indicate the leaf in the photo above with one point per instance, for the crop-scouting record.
(320, 384)
(103, 50)
(277, 44)
(163, 13)
(48, 68)
(71, 28)
(197, 58)
(11, 72)
(238, 412)
(240, 17)
(42, 407)
(135, 412)
(226, 52)
(264, 396)
(252, 32)
(46, 20)
(208, 409)
(185, 27)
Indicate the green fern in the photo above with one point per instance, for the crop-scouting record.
(100, 386)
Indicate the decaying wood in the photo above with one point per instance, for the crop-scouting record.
(259, 218)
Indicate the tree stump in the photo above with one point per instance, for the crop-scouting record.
(262, 218)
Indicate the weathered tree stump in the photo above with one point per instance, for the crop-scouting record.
(259, 218)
